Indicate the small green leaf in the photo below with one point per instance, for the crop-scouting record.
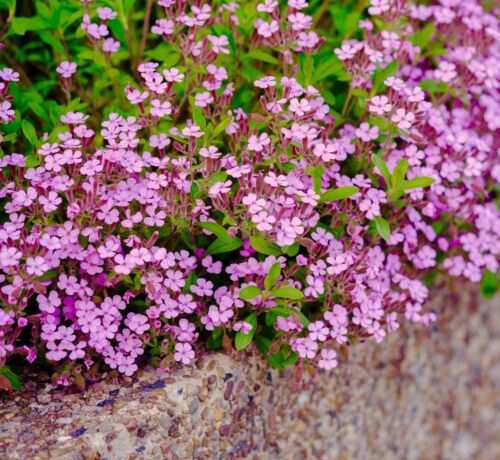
(316, 175)
(29, 132)
(272, 276)
(11, 377)
(383, 228)
(382, 167)
(249, 292)
(417, 182)
(214, 340)
(399, 173)
(241, 340)
(261, 56)
(326, 67)
(221, 126)
(199, 118)
(20, 25)
(303, 318)
(489, 284)
(32, 160)
(220, 246)
(216, 229)
(291, 250)
(338, 194)
(288, 293)
(221, 176)
(423, 37)
(380, 75)
(261, 245)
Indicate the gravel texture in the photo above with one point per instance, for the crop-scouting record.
(422, 394)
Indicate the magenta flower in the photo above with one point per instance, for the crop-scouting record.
(66, 69)
(184, 353)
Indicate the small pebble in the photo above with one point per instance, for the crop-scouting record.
(77, 433)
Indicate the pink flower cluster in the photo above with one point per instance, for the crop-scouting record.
(141, 235)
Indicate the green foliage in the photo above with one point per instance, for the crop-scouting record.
(262, 246)
(288, 293)
(249, 292)
(383, 228)
(10, 380)
(338, 194)
(272, 276)
(489, 284)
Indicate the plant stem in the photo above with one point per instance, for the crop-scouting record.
(145, 27)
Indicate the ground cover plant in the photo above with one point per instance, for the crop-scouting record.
(180, 176)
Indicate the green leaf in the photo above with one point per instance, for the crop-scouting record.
(29, 132)
(221, 176)
(20, 25)
(399, 173)
(214, 340)
(32, 160)
(380, 75)
(241, 340)
(383, 228)
(338, 194)
(165, 53)
(417, 182)
(220, 246)
(326, 67)
(423, 37)
(249, 292)
(382, 167)
(303, 318)
(261, 56)
(217, 229)
(198, 117)
(221, 126)
(272, 276)
(316, 173)
(489, 284)
(261, 245)
(306, 67)
(291, 250)
(288, 293)
(11, 377)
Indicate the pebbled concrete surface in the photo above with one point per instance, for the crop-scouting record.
(422, 394)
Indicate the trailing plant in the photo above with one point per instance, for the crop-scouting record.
(179, 176)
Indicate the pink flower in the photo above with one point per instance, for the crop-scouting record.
(267, 30)
(66, 69)
(265, 82)
(203, 99)
(160, 109)
(192, 131)
(163, 27)
(243, 327)
(318, 331)
(106, 14)
(137, 323)
(403, 118)
(184, 353)
(219, 44)
(36, 266)
(264, 221)
(173, 75)
(328, 360)
(366, 133)
(379, 105)
(306, 348)
(220, 188)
